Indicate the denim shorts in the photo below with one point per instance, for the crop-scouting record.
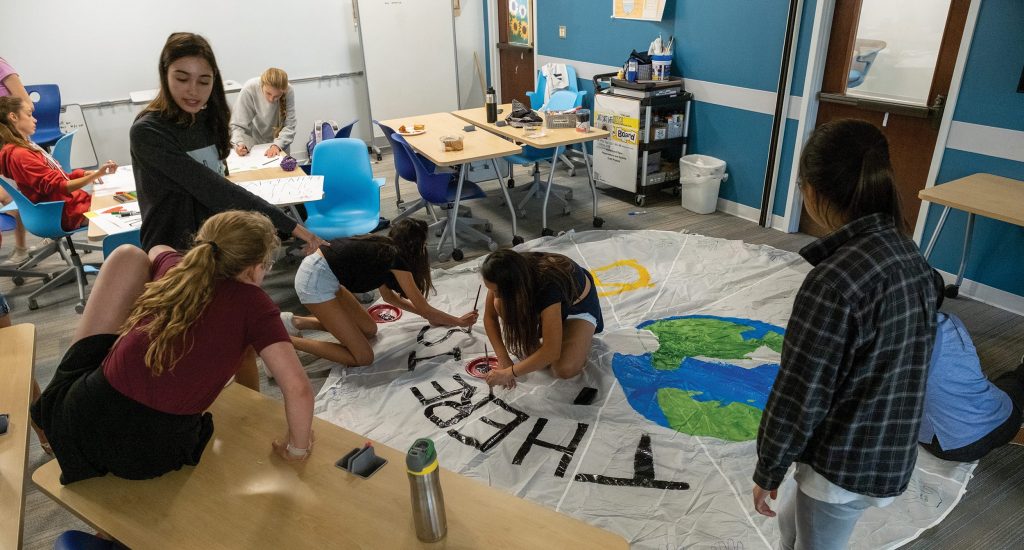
(314, 281)
(5, 308)
(589, 308)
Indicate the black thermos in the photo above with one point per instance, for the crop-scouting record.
(491, 106)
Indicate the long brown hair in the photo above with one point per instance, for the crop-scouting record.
(226, 245)
(847, 164)
(520, 278)
(186, 44)
(8, 133)
(407, 239)
(278, 80)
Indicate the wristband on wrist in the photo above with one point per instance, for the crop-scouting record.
(513, 370)
(295, 451)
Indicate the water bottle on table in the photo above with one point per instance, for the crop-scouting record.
(425, 488)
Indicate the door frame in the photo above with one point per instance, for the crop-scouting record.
(492, 48)
(820, 35)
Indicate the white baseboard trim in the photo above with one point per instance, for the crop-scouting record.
(987, 294)
(749, 213)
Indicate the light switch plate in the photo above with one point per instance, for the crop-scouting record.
(561, 31)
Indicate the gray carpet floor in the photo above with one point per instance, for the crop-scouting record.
(991, 514)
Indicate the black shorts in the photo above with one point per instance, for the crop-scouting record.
(590, 305)
(95, 429)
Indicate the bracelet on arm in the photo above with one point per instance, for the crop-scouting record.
(295, 451)
(513, 370)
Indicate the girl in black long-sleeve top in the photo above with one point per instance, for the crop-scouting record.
(178, 146)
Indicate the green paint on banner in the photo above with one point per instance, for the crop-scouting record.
(734, 422)
(704, 338)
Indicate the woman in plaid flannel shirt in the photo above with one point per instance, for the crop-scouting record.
(846, 405)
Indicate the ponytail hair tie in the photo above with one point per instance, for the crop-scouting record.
(212, 244)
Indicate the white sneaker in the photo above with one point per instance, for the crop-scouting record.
(42, 244)
(288, 320)
(18, 256)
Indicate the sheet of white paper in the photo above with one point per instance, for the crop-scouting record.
(123, 180)
(286, 191)
(255, 160)
(111, 220)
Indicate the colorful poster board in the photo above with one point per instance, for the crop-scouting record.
(520, 22)
(646, 10)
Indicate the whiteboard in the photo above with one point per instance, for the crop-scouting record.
(83, 154)
(116, 44)
(409, 53)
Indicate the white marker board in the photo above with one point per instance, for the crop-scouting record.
(119, 47)
(409, 53)
(83, 154)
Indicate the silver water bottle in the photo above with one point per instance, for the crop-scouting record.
(425, 489)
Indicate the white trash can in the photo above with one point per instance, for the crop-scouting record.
(700, 177)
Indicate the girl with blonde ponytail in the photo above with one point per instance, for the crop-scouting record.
(155, 348)
(264, 113)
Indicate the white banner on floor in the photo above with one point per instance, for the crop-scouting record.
(665, 452)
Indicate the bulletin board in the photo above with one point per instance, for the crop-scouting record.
(645, 10)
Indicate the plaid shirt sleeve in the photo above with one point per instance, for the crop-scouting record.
(812, 355)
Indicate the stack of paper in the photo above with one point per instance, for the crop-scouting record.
(117, 219)
(287, 191)
(255, 160)
(121, 181)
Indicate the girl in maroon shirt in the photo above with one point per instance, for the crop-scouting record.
(39, 177)
(148, 358)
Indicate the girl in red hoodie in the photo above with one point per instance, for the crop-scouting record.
(35, 172)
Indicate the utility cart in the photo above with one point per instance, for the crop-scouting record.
(649, 124)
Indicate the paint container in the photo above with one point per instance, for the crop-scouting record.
(583, 120)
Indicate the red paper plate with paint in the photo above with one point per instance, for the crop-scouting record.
(480, 366)
(384, 313)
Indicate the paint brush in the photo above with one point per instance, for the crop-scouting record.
(477, 300)
(487, 361)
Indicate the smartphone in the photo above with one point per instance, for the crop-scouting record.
(586, 396)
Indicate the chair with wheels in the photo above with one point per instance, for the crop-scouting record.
(16, 274)
(44, 220)
(346, 130)
(537, 96)
(62, 151)
(351, 203)
(404, 170)
(46, 98)
(531, 156)
(442, 189)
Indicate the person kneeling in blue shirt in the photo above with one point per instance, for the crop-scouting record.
(966, 416)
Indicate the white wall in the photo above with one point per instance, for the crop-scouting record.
(469, 39)
(119, 54)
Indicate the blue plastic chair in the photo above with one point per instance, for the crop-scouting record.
(404, 170)
(351, 203)
(44, 220)
(346, 130)
(47, 113)
(78, 540)
(111, 242)
(537, 96)
(561, 100)
(62, 150)
(440, 189)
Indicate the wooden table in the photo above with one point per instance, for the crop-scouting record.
(982, 194)
(95, 233)
(476, 146)
(18, 345)
(241, 495)
(554, 138)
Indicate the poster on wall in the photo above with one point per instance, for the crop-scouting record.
(646, 10)
(519, 22)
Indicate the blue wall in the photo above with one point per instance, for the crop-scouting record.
(987, 97)
(732, 42)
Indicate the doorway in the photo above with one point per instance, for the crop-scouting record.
(891, 64)
(515, 50)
